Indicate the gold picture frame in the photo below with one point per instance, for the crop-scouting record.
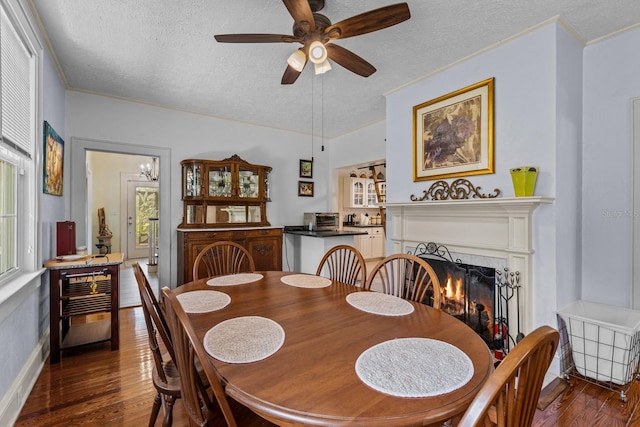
(453, 134)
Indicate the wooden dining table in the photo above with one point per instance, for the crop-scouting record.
(311, 380)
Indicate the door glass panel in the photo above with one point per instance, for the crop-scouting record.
(146, 207)
(358, 193)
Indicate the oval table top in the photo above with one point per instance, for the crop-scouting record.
(311, 379)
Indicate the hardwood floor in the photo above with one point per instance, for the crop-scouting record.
(129, 294)
(585, 404)
(94, 386)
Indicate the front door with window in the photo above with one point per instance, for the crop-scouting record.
(142, 204)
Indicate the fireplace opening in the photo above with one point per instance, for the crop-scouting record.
(476, 295)
(468, 293)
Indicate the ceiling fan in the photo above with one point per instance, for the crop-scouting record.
(316, 32)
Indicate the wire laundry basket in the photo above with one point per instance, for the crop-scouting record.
(600, 344)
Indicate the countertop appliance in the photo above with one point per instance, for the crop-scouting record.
(322, 221)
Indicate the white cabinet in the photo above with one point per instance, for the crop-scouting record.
(376, 237)
(370, 245)
(360, 193)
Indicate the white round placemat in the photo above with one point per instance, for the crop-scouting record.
(244, 339)
(377, 303)
(203, 301)
(414, 367)
(306, 281)
(234, 279)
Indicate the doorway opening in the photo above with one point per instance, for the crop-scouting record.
(82, 192)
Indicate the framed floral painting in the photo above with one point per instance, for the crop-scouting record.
(453, 134)
(53, 161)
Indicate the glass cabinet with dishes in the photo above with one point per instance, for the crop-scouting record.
(223, 193)
(360, 193)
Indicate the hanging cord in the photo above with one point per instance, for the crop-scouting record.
(312, 93)
(322, 110)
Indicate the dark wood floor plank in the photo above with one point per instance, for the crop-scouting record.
(95, 386)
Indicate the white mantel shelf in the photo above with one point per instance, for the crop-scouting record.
(498, 228)
(505, 203)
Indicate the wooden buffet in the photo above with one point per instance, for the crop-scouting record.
(226, 200)
(264, 245)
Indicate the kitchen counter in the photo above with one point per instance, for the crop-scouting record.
(304, 231)
(360, 225)
(306, 248)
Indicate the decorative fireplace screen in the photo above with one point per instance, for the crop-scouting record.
(477, 295)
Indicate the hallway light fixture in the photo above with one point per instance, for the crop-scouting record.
(150, 171)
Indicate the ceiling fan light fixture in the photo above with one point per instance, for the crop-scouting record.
(322, 67)
(297, 60)
(317, 52)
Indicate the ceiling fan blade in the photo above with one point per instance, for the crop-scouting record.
(368, 22)
(255, 38)
(349, 60)
(290, 75)
(301, 13)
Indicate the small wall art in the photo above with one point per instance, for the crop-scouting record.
(306, 168)
(53, 161)
(305, 188)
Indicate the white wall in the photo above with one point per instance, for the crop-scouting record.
(566, 270)
(611, 80)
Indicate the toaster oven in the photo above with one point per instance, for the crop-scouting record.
(322, 221)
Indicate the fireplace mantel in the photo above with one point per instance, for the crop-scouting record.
(461, 205)
(495, 228)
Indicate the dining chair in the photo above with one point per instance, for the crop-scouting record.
(190, 354)
(220, 258)
(166, 379)
(345, 264)
(407, 276)
(510, 395)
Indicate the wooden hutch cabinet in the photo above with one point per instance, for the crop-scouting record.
(226, 200)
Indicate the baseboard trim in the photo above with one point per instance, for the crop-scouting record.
(15, 398)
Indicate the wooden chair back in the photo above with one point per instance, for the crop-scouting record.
(510, 395)
(190, 354)
(221, 258)
(345, 264)
(165, 375)
(407, 276)
(154, 320)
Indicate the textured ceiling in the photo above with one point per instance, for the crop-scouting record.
(163, 52)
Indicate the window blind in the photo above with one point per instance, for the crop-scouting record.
(16, 75)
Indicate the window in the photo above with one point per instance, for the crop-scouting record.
(8, 217)
(18, 133)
